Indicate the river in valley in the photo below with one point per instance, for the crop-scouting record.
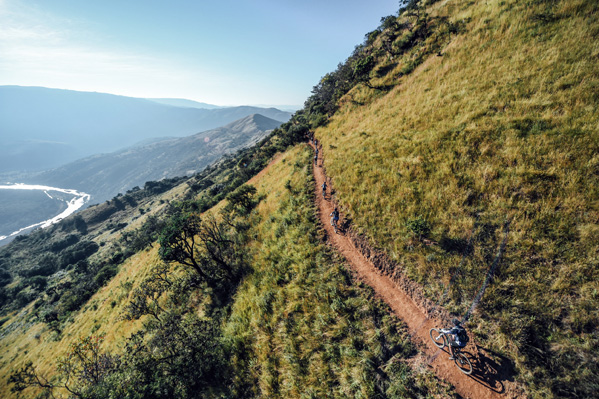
(63, 201)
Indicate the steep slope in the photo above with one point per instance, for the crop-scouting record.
(492, 376)
(105, 175)
(297, 323)
(44, 128)
(476, 123)
(461, 143)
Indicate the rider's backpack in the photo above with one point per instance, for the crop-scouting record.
(462, 336)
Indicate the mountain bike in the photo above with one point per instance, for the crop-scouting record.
(334, 224)
(441, 340)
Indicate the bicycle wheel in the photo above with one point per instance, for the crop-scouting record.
(463, 363)
(438, 338)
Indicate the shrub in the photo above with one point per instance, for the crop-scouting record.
(37, 282)
(418, 226)
(105, 274)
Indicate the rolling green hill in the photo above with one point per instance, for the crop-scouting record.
(105, 175)
(44, 128)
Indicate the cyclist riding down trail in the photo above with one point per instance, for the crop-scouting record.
(458, 338)
(324, 189)
(334, 218)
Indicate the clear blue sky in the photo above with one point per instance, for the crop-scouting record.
(221, 52)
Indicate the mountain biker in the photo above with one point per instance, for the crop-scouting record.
(316, 156)
(458, 338)
(334, 218)
(324, 189)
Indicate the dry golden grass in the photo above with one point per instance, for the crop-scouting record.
(299, 325)
(503, 126)
(99, 316)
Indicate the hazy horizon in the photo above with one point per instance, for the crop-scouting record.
(282, 107)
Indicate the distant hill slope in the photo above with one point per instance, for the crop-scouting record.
(181, 102)
(105, 175)
(43, 128)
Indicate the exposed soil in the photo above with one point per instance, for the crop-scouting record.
(492, 376)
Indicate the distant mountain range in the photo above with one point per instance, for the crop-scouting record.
(105, 175)
(181, 102)
(43, 128)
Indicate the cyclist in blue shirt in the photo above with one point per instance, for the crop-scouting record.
(334, 218)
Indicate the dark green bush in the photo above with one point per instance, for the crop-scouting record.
(419, 226)
(37, 282)
(105, 274)
(69, 240)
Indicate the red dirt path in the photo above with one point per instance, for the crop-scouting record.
(489, 379)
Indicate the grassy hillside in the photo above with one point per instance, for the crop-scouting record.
(297, 325)
(300, 326)
(57, 285)
(459, 136)
(452, 129)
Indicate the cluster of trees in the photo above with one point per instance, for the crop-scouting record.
(215, 265)
(176, 353)
(53, 255)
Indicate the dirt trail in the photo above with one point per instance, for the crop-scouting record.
(489, 378)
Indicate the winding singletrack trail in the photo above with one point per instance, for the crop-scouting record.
(489, 379)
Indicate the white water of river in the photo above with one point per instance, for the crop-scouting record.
(73, 205)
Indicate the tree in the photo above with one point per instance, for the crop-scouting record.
(361, 69)
(242, 200)
(181, 356)
(219, 253)
(144, 300)
(409, 5)
(83, 366)
(389, 22)
(178, 241)
(208, 246)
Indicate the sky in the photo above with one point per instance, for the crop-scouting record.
(223, 52)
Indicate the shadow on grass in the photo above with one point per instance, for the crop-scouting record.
(491, 369)
(344, 226)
